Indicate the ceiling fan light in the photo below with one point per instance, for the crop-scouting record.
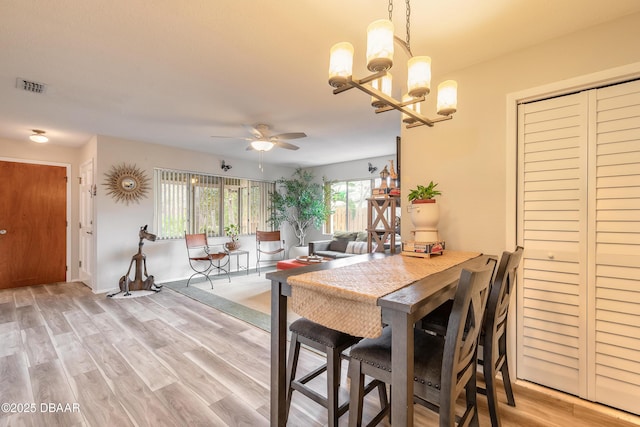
(262, 145)
(38, 136)
(447, 97)
(384, 85)
(380, 45)
(340, 64)
(419, 76)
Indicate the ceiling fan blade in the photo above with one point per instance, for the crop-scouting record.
(286, 145)
(258, 131)
(289, 135)
(232, 137)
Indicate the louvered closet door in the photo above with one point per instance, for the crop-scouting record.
(552, 226)
(615, 246)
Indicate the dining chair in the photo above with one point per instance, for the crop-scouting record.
(268, 243)
(332, 344)
(204, 258)
(493, 337)
(443, 366)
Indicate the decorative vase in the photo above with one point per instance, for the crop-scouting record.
(232, 245)
(425, 216)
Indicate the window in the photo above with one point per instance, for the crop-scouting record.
(349, 205)
(200, 203)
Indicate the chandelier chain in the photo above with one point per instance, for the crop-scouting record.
(408, 25)
(390, 9)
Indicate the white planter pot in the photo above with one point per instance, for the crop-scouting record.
(296, 251)
(425, 218)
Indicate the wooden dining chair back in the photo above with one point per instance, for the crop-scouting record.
(270, 244)
(493, 338)
(205, 259)
(443, 366)
(494, 332)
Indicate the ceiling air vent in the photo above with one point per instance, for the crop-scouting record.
(30, 86)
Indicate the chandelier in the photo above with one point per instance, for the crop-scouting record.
(380, 40)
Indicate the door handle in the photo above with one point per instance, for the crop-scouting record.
(3, 231)
(89, 232)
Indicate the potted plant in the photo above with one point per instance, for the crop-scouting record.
(232, 231)
(423, 194)
(424, 212)
(299, 201)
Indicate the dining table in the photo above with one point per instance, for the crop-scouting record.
(400, 309)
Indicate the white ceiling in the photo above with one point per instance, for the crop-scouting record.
(175, 72)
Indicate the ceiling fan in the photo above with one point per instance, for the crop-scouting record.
(263, 141)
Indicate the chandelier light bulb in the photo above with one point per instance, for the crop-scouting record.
(380, 45)
(419, 76)
(340, 64)
(447, 97)
(38, 136)
(384, 85)
(413, 107)
(262, 145)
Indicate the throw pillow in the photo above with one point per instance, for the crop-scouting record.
(362, 236)
(348, 235)
(339, 245)
(357, 248)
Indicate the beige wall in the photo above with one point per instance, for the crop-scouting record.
(467, 155)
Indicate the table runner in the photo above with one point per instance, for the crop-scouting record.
(345, 298)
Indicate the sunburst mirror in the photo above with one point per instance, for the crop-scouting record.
(126, 183)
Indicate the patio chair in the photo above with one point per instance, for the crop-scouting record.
(268, 243)
(204, 258)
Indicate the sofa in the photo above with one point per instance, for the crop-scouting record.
(342, 244)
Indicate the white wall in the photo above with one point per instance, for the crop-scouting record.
(117, 224)
(467, 155)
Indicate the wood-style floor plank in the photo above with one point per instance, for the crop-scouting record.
(51, 387)
(11, 338)
(168, 360)
(143, 405)
(15, 384)
(145, 364)
(192, 375)
(28, 317)
(254, 393)
(100, 406)
(75, 358)
(187, 406)
(38, 345)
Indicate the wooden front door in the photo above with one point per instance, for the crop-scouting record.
(32, 224)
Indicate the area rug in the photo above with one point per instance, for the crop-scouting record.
(246, 297)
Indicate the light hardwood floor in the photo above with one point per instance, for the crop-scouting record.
(167, 360)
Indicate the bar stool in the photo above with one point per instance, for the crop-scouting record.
(493, 337)
(332, 343)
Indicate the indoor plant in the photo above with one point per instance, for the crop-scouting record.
(299, 202)
(232, 231)
(422, 194)
(424, 212)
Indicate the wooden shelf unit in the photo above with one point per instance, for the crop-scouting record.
(381, 220)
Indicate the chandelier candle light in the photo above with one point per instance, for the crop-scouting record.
(380, 43)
